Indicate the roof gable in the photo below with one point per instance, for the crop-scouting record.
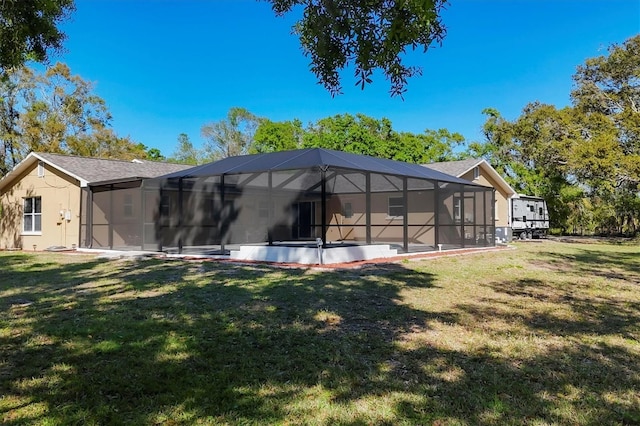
(461, 167)
(455, 168)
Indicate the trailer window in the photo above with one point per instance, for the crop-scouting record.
(532, 209)
(540, 211)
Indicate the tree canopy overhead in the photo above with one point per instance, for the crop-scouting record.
(29, 30)
(368, 34)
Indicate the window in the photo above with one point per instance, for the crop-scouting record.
(457, 209)
(165, 206)
(476, 172)
(32, 215)
(263, 209)
(128, 205)
(396, 207)
(347, 210)
(532, 208)
(40, 169)
(540, 211)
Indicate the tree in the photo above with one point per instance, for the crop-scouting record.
(272, 136)
(186, 153)
(607, 88)
(358, 134)
(56, 111)
(14, 89)
(29, 30)
(63, 114)
(497, 145)
(153, 154)
(231, 136)
(365, 34)
(429, 147)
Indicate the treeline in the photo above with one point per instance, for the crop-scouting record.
(244, 133)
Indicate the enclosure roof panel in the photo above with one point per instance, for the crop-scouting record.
(313, 158)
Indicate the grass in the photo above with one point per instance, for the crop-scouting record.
(544, 334)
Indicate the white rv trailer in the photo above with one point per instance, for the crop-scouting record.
(529, 217)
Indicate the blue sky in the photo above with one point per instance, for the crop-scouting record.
(167, 67)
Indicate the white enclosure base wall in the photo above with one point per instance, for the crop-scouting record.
(309, 255)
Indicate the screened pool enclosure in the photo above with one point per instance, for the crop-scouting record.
(290, 199)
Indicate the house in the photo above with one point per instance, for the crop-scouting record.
(481, 172)
(268, 206)
(41, 199)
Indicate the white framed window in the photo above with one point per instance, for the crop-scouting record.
(40, 168)
(127, 205)
(396, 207)
(476, 172)
(32, 215)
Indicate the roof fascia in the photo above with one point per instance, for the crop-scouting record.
(115, 181)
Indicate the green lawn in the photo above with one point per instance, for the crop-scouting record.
(547, 333)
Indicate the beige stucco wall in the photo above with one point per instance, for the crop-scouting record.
(502, 203)
(384, 227)
(59, 192)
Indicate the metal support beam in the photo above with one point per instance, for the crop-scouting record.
(462, 234)
(223, 219)
(110, 226)
(158, 225)
(142, 212)
(89, 222)
(436, 213)
(405, 216)
(323, 206)
(180, 214)
(368, 207)
(270, 210)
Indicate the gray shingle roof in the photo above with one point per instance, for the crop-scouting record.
(100, 169)
(455, 168)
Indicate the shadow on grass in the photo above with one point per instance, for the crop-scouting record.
(156, 342)
(612, 264)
